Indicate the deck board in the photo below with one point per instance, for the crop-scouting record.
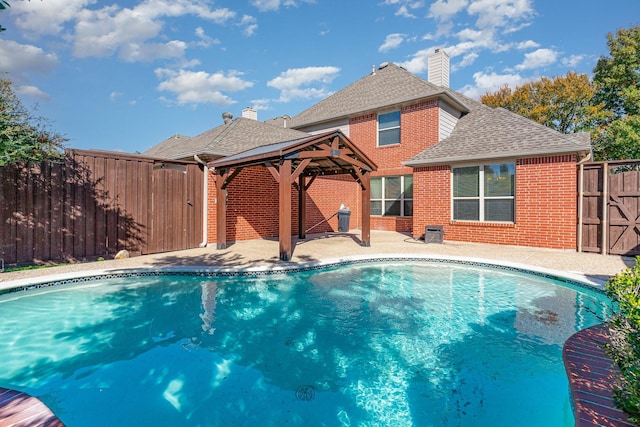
(18, 409)
(591, 375)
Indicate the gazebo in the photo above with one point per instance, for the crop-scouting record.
(297, 163)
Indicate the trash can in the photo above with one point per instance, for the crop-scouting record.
(343, 220)
(433, 234)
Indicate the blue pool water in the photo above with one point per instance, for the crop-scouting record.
(386, 344)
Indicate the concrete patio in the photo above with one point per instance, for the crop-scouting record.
(329, 247)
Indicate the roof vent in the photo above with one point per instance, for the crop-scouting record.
(227, 117)
(384, 64)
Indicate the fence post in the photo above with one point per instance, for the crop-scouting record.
(605, 212)
(580, 205)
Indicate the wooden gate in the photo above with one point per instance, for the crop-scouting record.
(93, 204)
(609, 207)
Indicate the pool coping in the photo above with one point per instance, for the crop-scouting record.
(217, 271)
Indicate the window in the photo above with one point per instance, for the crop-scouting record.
(389, 128)
(484, 193)
(392, 196)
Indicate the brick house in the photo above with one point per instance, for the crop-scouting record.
(433, 157)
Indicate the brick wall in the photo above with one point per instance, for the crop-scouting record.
(546, 203)
(546, 206)
(252, 209)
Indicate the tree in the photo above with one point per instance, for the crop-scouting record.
(619, 140)
(23, 137)
(563, 103)
(618, 75)
(3, 5)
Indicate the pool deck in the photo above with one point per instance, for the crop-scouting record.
(335, 247)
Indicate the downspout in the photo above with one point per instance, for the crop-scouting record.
(205, 203)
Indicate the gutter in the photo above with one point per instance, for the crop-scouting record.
(205, 203)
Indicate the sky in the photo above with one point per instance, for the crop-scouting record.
(126, 75)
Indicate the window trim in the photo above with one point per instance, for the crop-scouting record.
(388, 128)
(481, 193)
(402, 198)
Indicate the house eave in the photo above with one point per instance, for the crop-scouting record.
(580, 152)
(441, 95)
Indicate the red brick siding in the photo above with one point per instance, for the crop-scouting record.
(252, 210)
(418, 131)
(546, 206)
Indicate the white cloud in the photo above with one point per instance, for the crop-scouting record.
(47, 17)
(250, 25)
(500, 13)
(443, 10)
(572, 61)
(294, 83)
(205, 40)
(32, 91)
(134, 33)
(198, 87)
(113, 96)
(17, 58)
(466, 60)
(529, 44)
(490, 83)
(269, 5)
(418, 63)
(537, 59)
(404, 7)
(392, 41)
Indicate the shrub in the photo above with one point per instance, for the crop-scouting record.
(624, 346)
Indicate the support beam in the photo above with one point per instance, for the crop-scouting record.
(285, 211)
(366, 209)
(302, 208)
(221, 211)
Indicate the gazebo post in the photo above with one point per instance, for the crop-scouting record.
(366, 209)
(221, 211)
(302, 208)
(285, 211)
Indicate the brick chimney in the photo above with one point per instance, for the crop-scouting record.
(438, 68)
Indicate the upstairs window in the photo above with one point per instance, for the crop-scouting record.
(389, 128)
(392, 195)
(484, 193)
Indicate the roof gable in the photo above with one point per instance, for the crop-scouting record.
(239, 135)
(491, 133)
(387, 86)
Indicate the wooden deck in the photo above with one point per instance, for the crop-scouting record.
(21, 410)
(591, 373)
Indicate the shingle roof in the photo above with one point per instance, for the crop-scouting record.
(239, 135)
(389, 85)
(491, 133)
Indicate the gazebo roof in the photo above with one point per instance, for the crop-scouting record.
(330, 153)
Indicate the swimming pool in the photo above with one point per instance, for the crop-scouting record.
(387, 343)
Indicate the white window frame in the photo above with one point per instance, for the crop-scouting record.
(389, 128)
(481, 197)
(402, 199)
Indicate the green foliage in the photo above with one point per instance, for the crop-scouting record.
(624, 347)
(23, 137)
(3, 5)
(618, 75)
(619, 140)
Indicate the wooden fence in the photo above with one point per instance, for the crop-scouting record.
(609, 207)
(93, 204)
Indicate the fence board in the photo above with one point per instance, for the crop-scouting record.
(97, 203)
(622, 228)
